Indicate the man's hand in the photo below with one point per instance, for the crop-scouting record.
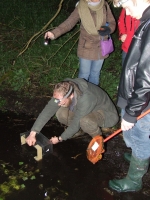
(55, 140)
(30, 140)
(125, 126)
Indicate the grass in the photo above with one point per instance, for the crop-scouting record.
(40, 66)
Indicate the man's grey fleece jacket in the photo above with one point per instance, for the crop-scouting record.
(93, 98)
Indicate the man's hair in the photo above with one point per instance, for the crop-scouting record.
(64, 87)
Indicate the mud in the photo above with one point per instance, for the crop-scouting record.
(66, 174)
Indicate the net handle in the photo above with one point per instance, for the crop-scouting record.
(119, 130)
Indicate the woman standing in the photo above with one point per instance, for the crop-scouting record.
(93, 14)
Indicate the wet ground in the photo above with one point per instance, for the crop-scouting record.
(64, 175)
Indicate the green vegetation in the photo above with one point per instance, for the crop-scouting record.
(27, 66)
(17, 180)
(14, 178)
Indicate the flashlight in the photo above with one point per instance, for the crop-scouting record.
(46, 41)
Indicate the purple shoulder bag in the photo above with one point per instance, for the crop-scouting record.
(107, 46)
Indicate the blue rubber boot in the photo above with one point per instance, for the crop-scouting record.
(133, 180)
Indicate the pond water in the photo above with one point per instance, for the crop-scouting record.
(64, 175)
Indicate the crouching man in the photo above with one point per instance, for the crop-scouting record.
(79, 105)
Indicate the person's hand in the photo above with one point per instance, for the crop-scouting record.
(123, 37)
(49, 35)
(31, 140)
(125, 126)
(55, 140)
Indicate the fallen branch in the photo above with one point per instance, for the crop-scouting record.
(38, 34)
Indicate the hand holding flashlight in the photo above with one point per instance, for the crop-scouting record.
(48, 36)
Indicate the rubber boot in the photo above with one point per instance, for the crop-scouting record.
(127, 157)
(133, 180)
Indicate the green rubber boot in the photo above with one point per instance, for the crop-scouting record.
(127, 157)
(133, 180)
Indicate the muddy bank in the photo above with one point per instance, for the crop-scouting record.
(24, 104)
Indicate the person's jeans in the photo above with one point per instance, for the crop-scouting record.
(90, 70)
(138, 138)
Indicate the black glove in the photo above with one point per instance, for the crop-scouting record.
(104, 30)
